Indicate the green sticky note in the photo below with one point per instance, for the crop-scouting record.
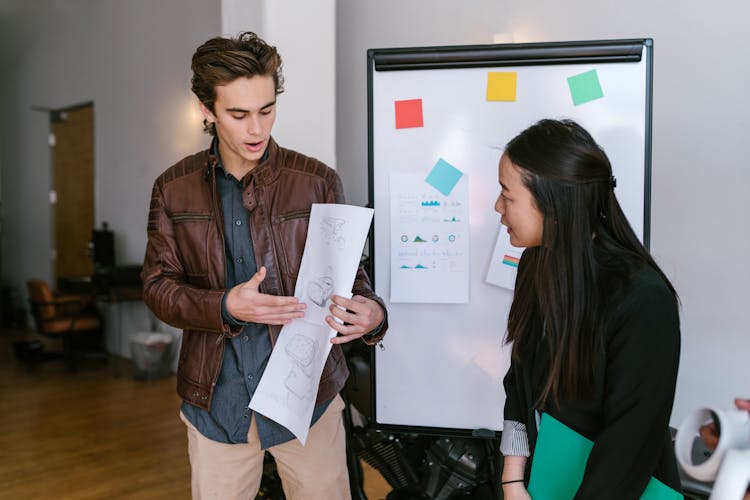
(560, 460)
(585, 87)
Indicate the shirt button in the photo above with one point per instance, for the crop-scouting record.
(245, 338)
(240, 260)
(237, 222)
(250, 377)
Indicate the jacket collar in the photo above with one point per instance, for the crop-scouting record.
(267, 170)
(263, 173)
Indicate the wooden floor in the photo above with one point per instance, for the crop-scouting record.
(94, 435)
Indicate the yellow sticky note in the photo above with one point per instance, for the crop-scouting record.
(501, 86)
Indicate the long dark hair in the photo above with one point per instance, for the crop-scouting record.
(587, 254)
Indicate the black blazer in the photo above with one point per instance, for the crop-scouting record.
(627, 416)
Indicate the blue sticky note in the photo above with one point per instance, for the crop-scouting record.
(443, 177)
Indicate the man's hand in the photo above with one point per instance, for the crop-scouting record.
(360, 315)
(742, 404)
(245, 303)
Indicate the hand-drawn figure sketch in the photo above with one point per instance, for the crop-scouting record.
(301, 350)
(320, 290)
(332, 231)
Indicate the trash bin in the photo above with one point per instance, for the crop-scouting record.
(152, 353)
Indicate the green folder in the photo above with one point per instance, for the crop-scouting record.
(560, 459)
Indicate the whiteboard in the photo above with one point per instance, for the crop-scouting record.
(441, 365)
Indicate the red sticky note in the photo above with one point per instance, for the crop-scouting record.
(409, 113)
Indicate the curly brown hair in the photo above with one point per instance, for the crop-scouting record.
(222, 60)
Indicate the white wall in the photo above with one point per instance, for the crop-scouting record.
(241, 15)
(131, 59)
(146, 117)
(304, 33)
(700, 175)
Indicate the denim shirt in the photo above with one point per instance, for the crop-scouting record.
(245, 355)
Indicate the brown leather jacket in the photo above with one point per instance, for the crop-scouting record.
(183, 270)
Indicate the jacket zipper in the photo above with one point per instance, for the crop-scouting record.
(299, 214)
(182, 217)
(219, 226)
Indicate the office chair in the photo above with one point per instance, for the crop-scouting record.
(71, 318)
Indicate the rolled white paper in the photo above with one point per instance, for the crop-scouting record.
(734, 475)
(734, 428)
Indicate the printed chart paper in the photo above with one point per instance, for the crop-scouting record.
(504, 263)
(287, 391)
(429, 241)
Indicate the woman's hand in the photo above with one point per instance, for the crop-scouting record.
(515, 491)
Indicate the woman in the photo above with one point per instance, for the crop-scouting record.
(594, 322)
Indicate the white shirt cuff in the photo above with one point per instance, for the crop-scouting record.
(514, 440)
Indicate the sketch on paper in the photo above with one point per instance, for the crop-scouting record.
(301, 350)
(289, 386)
(332, 231)
(320, 290)
(317, 295)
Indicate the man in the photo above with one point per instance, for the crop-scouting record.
(226, 232)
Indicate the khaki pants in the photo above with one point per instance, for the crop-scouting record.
(233, 471)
